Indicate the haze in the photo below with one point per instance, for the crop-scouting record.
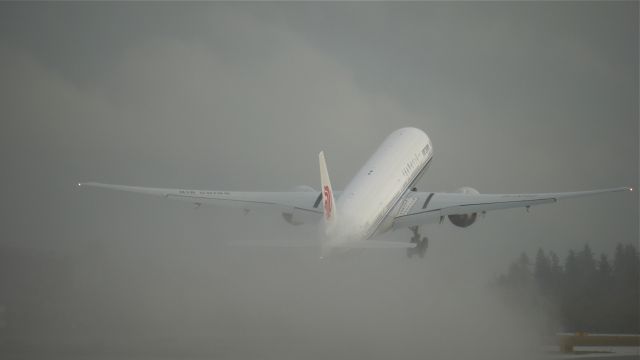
(517, 97)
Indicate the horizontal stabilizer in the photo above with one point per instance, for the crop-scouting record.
(275, 243)
(374, 244)
(363, 244)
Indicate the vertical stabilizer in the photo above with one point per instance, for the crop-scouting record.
(327, 194)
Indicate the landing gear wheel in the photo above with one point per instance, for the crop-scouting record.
(422, 247)
(421, 243)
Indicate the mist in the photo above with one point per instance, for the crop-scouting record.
(188, 295)
(515, 97)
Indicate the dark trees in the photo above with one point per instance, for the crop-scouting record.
(587, 293)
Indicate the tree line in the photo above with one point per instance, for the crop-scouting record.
(584, 293)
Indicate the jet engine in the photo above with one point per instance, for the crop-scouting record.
(292, 218)
(464, 220)
(297, 217)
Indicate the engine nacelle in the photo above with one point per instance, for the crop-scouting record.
(464, 220)
(292, 218)
(296, 217)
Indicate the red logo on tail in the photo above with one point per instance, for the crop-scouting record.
(327, 203)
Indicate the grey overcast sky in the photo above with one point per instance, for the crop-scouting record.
(516, 97)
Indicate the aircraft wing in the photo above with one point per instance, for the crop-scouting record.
(431, 207)
(305, 201)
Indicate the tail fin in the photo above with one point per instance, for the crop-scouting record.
(327, 193)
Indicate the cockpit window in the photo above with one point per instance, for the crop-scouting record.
(425, 150)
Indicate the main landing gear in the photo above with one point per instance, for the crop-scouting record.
(422, 243)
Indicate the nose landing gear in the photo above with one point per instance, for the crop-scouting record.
(422, 243)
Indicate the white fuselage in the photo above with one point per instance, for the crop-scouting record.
(368, 203)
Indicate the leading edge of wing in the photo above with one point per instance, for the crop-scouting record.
(136, 189)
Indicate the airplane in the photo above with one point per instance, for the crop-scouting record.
(381, 197)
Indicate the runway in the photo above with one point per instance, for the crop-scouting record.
(602, 353)
(611, 354)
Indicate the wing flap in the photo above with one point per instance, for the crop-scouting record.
(282, 201)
